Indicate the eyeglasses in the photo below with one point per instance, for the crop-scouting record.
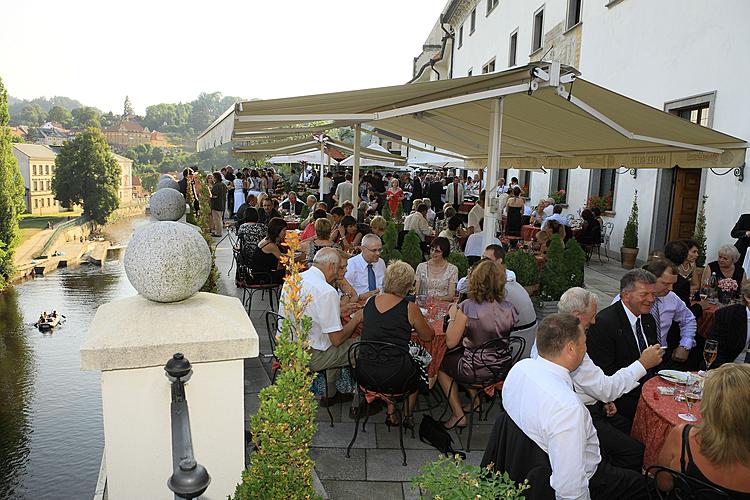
(374, 250)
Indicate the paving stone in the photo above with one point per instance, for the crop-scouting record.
(332, 463)
(323, 418)
(340, 435)
(385, 465)
(409, 492)
(389, 440)
(363, 490)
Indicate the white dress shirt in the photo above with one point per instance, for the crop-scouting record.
(418, 224)
(538, 396)
(474, 247)
(324, 308)
(548, 211)
(558, 217)
(476, 213)
(356, 274)
(343, 192)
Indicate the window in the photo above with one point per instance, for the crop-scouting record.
(35, 186)
(513, 49)
(49, 202)
(46, 170)
(697, 109)
(491, 4)
(36, 203)
(696, 114)
(489, 67)
(602, 182)
(49, 187)
(33, 169)
(471, 71)
(574, 13)
(558, 181)
(460, 36)
(538, 31)
(524, 180)
(473, 21)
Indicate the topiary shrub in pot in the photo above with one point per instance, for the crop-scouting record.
(527, 272)
(554, 279)
(411, 249)
(460, 261)
(629, 249)
(575, 260)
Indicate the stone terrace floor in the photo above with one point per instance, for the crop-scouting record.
(374, 469)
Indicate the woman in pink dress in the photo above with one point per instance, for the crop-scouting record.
(394, 194)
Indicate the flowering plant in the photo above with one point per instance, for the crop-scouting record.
(603, 203)
(451, 478)
(559, 196)
(727, 285)
(525, 191)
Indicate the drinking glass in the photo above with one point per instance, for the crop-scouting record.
(693, 394)
(710, 350)
(703, 294)
(680, 388)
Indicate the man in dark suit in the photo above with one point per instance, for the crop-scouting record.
(730, 329)
(741, 231)
(623, 331)
(187, 178)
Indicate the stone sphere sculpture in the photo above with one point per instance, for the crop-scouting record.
(167, 204)
(168, 183)
(166, 176)
(167, 261)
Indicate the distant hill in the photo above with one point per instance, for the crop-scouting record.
(15, 105)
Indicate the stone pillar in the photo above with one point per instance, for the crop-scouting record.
(130, 340)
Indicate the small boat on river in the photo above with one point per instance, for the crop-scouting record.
(48, 324)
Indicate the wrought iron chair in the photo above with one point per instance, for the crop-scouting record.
(606, 236)
(393, 385)
(252, 281)
(685, 487)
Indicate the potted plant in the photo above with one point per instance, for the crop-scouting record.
(629, 248)
(603, 203)
(699, 236)
(460, 261)
(527, 272)
(554, 279)
(559, 197)
(453, 479)
(390, 240)
(411, 249)
(575, 260)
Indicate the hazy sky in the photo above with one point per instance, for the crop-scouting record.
(168, 51)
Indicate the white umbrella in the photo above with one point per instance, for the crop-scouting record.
(311, 157)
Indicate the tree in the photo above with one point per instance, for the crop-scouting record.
(699, 236)
(86, 117)
(60, 115)
(86, 172)
(32, 115)
(12, 199)
(630, 236)
(128, 107)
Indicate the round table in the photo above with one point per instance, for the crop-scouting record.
(656, 416)
(707, 318)
(528, 232)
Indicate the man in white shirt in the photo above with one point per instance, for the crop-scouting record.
(475, 245)
(431, 215)
(344, 190)
(329, 341)
(365, 272)
(417, 222)
(556, 215)
(501, 187)
(538, 396)
(550, 202)
(454, 193)
(477, 213)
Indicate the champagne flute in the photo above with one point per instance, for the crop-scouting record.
(710, 350)
(703, 294)
(692, 396)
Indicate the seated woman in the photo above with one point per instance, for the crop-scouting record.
(484, 316)
(440, 275)
(591, 231)
(322, 238)
(726, 266)
(389, 317)
(453, 233)
(378, 225)
(537, 216)
(717, 451)
(265, 261)
(598, 216)
(448, 213)
(309, 231)
(250, 233)
(350, 235)
(677, 252)
(545, 237)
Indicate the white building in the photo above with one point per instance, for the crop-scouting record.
(125, 189)
(677, 55)
(37, 165)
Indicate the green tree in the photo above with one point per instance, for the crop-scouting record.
(86, 117)
(32, 115)
(12, 193)
(60, 115)
(554, 279)
(86, 172)
(411, 249)
(108, 119)
(630, 236)
(699, 235)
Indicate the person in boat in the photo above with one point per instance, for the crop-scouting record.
(54, 314)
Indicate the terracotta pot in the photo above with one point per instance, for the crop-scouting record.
(532, 289)
(627, 257)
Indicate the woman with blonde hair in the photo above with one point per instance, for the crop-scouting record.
(484, 316)
(322, 238)
(716, 451)
(389, 317)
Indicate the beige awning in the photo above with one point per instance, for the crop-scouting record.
(551, 118)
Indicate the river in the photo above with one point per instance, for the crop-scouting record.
(51, 434)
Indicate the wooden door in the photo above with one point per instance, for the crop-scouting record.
(685, 203)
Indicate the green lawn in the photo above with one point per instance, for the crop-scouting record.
(31, 224)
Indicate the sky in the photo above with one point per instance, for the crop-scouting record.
(170, 51)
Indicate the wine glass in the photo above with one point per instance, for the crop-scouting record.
(710, 350)
(703, 294)
(693, 394)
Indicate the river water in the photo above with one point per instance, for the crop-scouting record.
(51, 435)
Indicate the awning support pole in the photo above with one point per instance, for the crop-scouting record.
(493, 156)
(322, 165)
(355, 168)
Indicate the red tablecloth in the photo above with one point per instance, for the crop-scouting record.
(707, 319)
(290, 225)
(656, 416)
(466, 207)
(528, 232)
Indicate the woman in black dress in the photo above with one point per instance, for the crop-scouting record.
(265, 265)
(591, 231)
(726, 266)
(391, 318)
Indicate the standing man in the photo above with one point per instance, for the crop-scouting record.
(218, 204)
(741, 231)
(477, 213)
(454, 193)
(327, 187)
(538, 396)
(187, 180)
(365, 271)
(344, 191)
(624, 330)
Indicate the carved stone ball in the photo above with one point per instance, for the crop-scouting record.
(167, 204)
(167, 261)
(168, 183)
(166, 176)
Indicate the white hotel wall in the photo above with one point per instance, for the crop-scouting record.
(657, 52)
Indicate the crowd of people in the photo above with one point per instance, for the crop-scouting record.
(576, 394)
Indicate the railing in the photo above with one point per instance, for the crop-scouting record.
(189, 479)
(59, 229)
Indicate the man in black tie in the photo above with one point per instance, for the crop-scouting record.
(623, 331)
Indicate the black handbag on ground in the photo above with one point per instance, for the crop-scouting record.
(433, 433)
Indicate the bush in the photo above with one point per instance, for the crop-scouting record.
(554, 279)
(699, 236)
(630, 237)
(559, 196)
(212, 282)
(524, 265)
(400, 212)
(390, 240)
(460, 261)
(452, 479)
(284, 426)
(385, 211)
(575, 260)
(411, 250)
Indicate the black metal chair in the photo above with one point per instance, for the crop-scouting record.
(685, 487)
(386, 371)
(488, 372)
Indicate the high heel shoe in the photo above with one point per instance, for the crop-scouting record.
(455, 425)
(389, 422)
(408, 423)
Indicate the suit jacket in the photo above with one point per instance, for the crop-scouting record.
(730, 329)
(739, 232)
(454, 193)
(611, 341)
